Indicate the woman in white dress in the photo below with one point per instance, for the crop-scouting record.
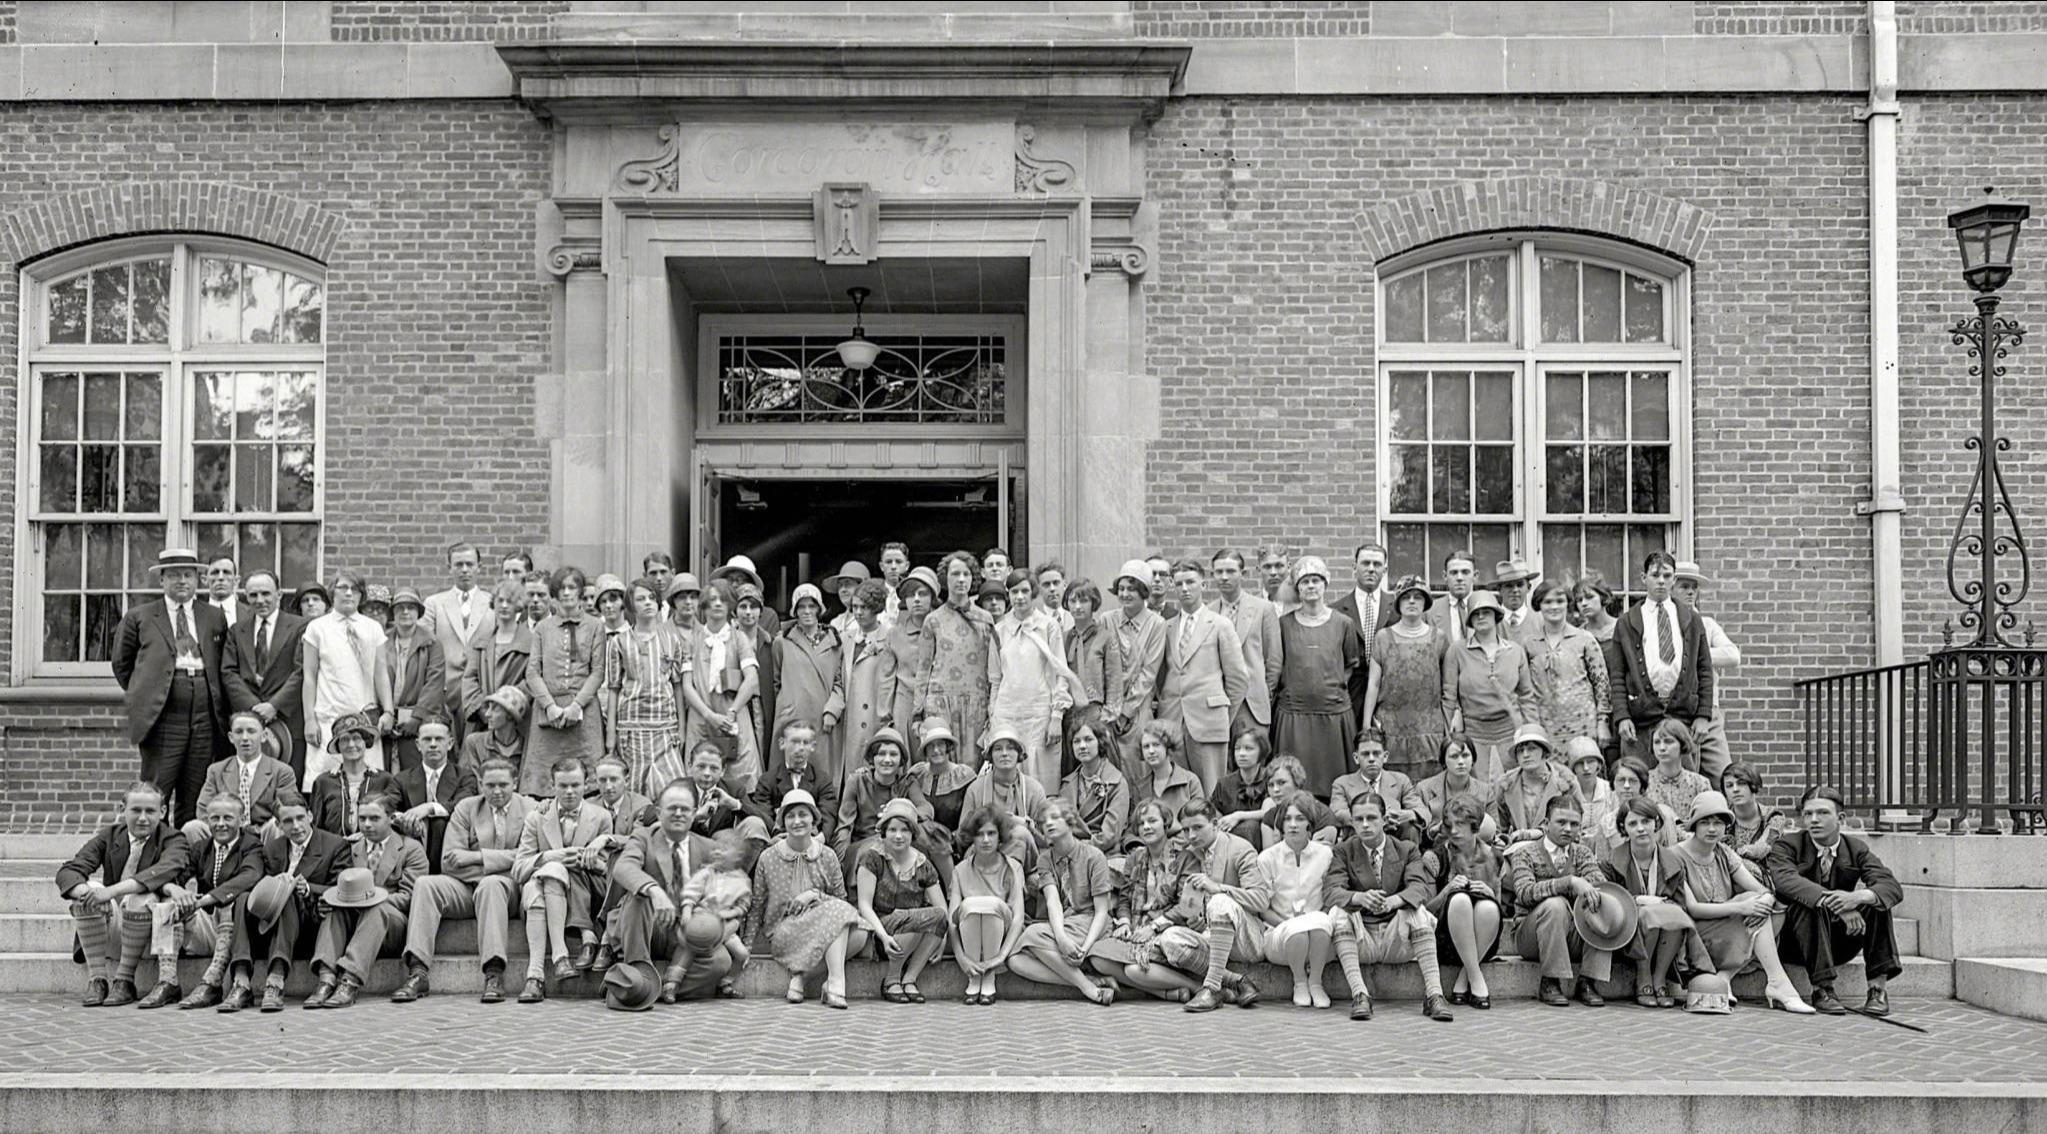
(342, 675)
(1298, 929)
(1031, 694)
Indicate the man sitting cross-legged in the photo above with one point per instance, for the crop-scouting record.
(560, 850)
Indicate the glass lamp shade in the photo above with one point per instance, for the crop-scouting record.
(858, 353)
(1989, 236)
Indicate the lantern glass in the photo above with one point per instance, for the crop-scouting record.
(1988, 236)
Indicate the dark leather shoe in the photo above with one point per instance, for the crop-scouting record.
(1877, 1003)
(1826, 1003)
(413, 989)
(344, 996)
(493, 988)
(534, 992)
(1438, 1009)
(321, 992)
(1588, 995)
(121, 992)
(95, 992)
(1206, 1000)
(273, 998)
(605, 958)
(1245, 995)
(586, 958)
(205, 996)
(1551, 992)
(1360, 1007)
(165, 992)
(238, 998)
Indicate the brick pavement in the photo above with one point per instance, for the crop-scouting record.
(456, 1035)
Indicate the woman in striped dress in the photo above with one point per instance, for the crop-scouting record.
(643, 674)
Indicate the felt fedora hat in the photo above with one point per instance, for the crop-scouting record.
(1606, 917)
(355, 889)
(268, 899)
(631, 986)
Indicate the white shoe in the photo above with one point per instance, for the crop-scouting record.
(1318, 995)
(1301, 999)
(1787, 998)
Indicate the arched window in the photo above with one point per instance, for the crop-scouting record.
(174, 395)
(1532, 393)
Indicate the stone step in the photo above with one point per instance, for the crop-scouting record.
(31, 895)
(2013, 986)
(57, 846)
(1958, 921)
(54, 972)
(45, 868)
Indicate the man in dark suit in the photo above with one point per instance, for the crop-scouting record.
(308, 859)
(649, 874)
(135, 857)
(260, 667)
(1376, 889)
(198, 908)
(1666, 666)
(1370, 609)
(430, 789)
(167, 657)
(258, 782)
(1838, 898)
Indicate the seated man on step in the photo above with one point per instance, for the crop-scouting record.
(135, 857)
(281, 916)
(1551, 873)
(198, 909)
(1838, 898)
(650, 873)
(366, 906)
(477, 856)
(251, 775)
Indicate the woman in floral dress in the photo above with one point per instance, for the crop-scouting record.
(1568, 667)
(956, 666)
(1405, 693)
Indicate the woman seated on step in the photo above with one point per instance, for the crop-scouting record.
(987, 898)
(1077, 895)
(1736, 914)
(901, 902)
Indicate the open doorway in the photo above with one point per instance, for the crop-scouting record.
(800, 531)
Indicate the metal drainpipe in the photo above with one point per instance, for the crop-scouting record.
(1886, 505)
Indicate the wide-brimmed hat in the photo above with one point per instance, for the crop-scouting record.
(608, 583)
(171, 557)
(631, 986)
(268, 899)
(1004, 732)
(326, 596)
(1513, 571)
(1707, 804)
(1583, 748)
(805, 591)
(741, 566)
(1533, 733)
(852, 571)
(355, 889)
(924, 575)
(935, 729)
(1135, 570)
(404, 595)
(898, 809)
(1483, 600)
(1308, 565)
(353, 722)
(511, 699)
(1686, 569)
(1606, 917)
(682, 583)
(1709, 994)
(796, 797)
(1413, 584)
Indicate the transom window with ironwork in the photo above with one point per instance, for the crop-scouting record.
(1531, 404)
(174, 396)
(771, 379)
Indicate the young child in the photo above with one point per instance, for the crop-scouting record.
(721, 890)
(1394, 788)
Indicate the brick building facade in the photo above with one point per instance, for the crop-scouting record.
(1183, 235)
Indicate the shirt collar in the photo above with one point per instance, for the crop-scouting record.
(1553, 849)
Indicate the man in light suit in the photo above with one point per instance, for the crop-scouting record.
(1550, 874)
(1234, 893)
(258, 782)
(563, 846)
(167, 658)
(353, 936)
(1666, 666)
(1460, 575)
(1205, 679)
(1370, 609)
(477, 855)
(452, 617)
(650, 873)
(1256, 621)
(260, 669)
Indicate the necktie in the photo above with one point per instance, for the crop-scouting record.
(465, 616)
(1457, 623)
(298, 852)
(262, 645)
(248, 772)
(1666, 633)
(376, 856)
(404, 655)
(497, 828)
(568, 828)
(1186, 633)
(433, 784)
(133, 862)
(676, 871)
(1556, 858)
(219, 857)
(360, 647)
(1827, 862)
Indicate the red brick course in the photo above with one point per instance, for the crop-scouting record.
(408, 21)
(1200, 19)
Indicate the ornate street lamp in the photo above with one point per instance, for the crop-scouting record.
(1988, 234)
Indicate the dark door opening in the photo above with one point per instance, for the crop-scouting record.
(800, 531)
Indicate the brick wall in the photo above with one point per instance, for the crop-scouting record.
(1935, 16)
(61, 765)
(438, 20)
(1765, 17)
(1197, 19)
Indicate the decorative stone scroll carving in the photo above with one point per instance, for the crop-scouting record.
(1130, 259)
(1036, 173)
(658, 173)
(575, 255)
(848, 218)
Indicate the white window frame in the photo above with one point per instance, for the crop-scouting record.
(1529, 360)
(175, 360)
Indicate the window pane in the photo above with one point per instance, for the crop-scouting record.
(1559, 298)
(1404, 309)
(1407, 551)
(1451, 419)
(102, 624)
(210, 472)
(1650, 405)
(103, 407)
(299, 552)
(59, 476)
(1606, 481)
(104, 559)
(67, 311)
(1442, 540)
(1491, 543)
(1494, 420)
(142, 419)
(1409, 410)
(1608, 394)
(1560, 552)
(1489, 311)
(144, 541)
(213, 406)
(1643, 539)
(215, 541)
(152, 301)
(63, 557)
(255, 465)
(1495, 479)
(303, 308)
(1563, 407)
(1565, 468)
(141, 478)
(257, 546)
(297, 403)
(220, 303)
(1448, 322)
(99, 478)
(60, 407)
(1450, 487)
(253, 418)
(1645, 310)
(1651, 478)
(1604, 553)
(110, 305)
(60, 628)
(295, 478)
(1410, 491)
(262, 303)
(1602, 304)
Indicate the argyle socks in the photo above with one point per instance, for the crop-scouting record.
(92, 941)
(1353, 974)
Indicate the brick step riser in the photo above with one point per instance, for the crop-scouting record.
(764, 979)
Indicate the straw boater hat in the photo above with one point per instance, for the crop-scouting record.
(1690, 570)
(171, 557)
(1606, 917)
(852, 572)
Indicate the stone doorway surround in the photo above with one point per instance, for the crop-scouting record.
(674, 150)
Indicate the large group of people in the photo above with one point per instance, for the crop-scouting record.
(1137, 788)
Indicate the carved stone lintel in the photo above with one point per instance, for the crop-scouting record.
(575, 256)
(1036, 173)
(659, 172)
(848, 221)
(1131, 259)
